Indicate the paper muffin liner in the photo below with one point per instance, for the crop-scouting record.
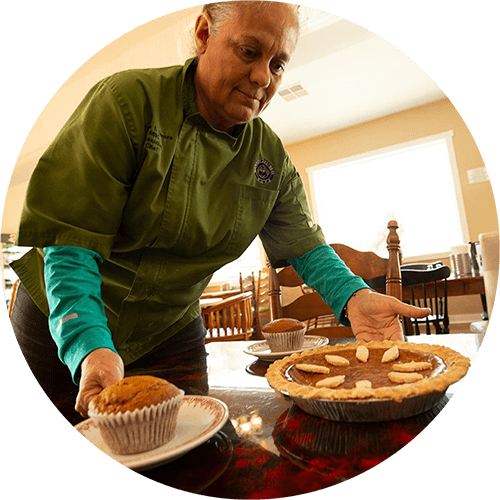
(139, 430)
(285, 341)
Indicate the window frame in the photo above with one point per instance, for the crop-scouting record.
(448, 137)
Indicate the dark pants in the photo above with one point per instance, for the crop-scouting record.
(181, 360)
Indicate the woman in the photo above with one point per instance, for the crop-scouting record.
(158, 179)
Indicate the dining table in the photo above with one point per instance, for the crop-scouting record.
(269, 448)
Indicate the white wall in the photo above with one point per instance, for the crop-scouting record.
(154, 46)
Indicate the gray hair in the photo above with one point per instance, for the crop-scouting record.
(222, 12)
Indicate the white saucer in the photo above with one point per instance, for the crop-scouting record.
(200, 418)
(262, 350)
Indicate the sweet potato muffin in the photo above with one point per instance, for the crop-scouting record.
(284, 334)
(133, 393)
(137, 414)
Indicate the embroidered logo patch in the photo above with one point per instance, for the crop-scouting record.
(264, 171)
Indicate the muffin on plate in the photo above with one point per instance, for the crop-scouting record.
(284, 334)
(137, 414)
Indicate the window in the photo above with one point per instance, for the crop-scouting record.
(415, 183)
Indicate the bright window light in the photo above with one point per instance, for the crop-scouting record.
(414, 183)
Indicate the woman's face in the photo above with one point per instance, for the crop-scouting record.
(241, 66)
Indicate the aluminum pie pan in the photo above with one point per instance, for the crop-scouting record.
(368, 410)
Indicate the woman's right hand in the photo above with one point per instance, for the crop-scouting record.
(100, 369)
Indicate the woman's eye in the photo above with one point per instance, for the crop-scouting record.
(248, 52)
(278, 67)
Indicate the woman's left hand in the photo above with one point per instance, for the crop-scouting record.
(374, 316)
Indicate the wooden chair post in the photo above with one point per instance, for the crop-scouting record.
(275, 307)
(394, 283)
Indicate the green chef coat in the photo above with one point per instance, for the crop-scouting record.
(140, 177)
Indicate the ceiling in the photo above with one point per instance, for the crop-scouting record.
(349, 75)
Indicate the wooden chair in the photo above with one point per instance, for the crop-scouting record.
(263, 297)
(217, 286)
(310, 308)
(13, 296)
(230, 319)
(420, 288)
(248, 285)
(223, 294)
(422, 280)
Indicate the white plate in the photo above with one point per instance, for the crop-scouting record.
(200, 418)
(262, 350)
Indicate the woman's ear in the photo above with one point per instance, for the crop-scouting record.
(201, 33)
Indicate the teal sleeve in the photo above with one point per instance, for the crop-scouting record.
(322, 269)
(77, 320)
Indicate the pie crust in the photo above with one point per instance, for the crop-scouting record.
(448, 366)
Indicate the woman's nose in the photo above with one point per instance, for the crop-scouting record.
(261, 74)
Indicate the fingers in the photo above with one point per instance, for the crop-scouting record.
(100, 369)
(83, 400)
(410, 311)
(374, 304)
(376, 317)
(91, 385)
